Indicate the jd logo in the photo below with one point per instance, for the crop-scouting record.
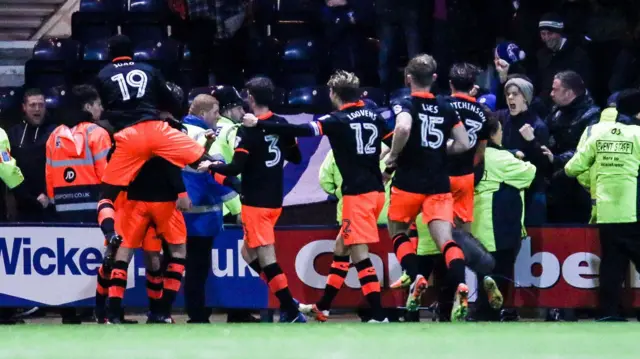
(69, 175)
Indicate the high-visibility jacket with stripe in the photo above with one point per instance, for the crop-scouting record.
(10, 174)
(76, 160)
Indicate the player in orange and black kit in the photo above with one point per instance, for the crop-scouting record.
(355, 133)
(259, 157)
(151, 203)
(419, 155)
(461, 167)
(133, 95)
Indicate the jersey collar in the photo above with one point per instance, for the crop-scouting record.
(352, 104)
(265, 116)
(121, 58)
(464, 97)
(422, 94)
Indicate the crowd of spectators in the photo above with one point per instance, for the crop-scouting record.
(547, 69)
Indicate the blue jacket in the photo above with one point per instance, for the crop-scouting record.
(207, 196)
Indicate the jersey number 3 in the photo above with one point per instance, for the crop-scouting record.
(272, 140)
(136, 79)
(368, 148)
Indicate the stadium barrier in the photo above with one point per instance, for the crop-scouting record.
(47, 265)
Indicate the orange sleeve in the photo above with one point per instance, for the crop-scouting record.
(48, 169)
(100, 145)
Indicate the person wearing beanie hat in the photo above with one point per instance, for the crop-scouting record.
(524, 134)
(559, 54)
(519, 93)
(614, 153)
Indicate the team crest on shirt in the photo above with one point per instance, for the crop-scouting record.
(5, 156)
(397, 109)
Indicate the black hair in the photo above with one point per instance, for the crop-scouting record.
(463, 76)
(83, 95)
(120, 46)
(572, 81)
(262, 89)
(30, 93)
(492, 124)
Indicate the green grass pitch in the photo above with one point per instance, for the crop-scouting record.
(585, 340)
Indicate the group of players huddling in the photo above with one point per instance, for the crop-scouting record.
(142, 182)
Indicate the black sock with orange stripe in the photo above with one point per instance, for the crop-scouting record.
(106, 213)
(154, 291)
(279, 286)
(102, 292)
(370, 286)
(118, 284)
(335, 280)
(454, 258)
(171, 283)
(406, 254)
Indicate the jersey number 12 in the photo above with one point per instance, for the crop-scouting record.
(136, 79)
(368, 148)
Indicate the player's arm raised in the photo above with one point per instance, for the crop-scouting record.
(310, 129)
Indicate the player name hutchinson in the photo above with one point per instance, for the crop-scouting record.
(462, 105)
(362, 113)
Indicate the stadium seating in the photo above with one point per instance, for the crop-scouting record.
(374, 94)
(148, 6)
(87, 27)
(102, 6)
(55, 96)
(164, 55)
(66, 51)
(312, 99)
(300, 63)
(399, 94)
(263, 56)
(10, 99)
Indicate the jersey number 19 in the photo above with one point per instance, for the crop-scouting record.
(135, 79)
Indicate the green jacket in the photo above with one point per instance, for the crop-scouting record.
(225, 146)
(614, 153)
(331, 182)
(10, 174)
(609, 115)
(501, 192)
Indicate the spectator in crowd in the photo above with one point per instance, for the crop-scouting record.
(215, 41)
(500, 191)
(626, 69)
(524, 134)
(394, 14)
(342, 36)
(573, 111)
(28, 140)
(558, 54)
(617, 194)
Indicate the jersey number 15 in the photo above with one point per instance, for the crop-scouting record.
(431, 136)
(136, 79)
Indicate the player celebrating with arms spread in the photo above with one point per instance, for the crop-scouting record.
(355, 134)
(421, 183)
(259, 158)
